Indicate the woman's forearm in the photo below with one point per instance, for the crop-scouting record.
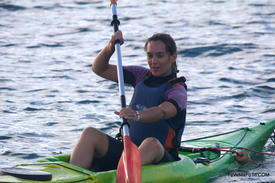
(164, 111)
(101, 61)
(101, 64)
(151, 115)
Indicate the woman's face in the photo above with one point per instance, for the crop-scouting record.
(159, 60)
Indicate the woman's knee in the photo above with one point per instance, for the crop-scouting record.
(152, 149)
(152, 143)
(93, 135)
(95, 139)
(90, 132)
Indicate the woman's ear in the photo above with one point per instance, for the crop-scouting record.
(174, 57)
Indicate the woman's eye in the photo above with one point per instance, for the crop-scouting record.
(160, 55)
(149, 56)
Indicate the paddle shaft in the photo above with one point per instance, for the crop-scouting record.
(115, 23)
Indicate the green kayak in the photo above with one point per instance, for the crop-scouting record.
(201, 159)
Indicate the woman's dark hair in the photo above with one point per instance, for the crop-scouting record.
(169, 43)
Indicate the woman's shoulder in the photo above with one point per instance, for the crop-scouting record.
(139, 72)
(136, 69)
(177, 93)
(177, 89)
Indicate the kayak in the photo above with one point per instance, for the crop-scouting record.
(201, 159)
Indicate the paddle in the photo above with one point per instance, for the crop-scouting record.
(129, 167)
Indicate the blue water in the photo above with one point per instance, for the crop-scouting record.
(48, 93)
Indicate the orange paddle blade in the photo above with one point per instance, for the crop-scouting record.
(113, 2)
(129, 167)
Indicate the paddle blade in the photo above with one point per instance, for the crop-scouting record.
(113, 2)
(129, 167)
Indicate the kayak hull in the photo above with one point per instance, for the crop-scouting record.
(188, 169)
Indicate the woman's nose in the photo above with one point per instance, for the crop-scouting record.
(154, 59)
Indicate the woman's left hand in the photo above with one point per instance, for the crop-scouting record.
(127, 113)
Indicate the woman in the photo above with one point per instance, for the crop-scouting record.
(156, 113)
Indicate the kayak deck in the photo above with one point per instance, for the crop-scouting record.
(193, 166)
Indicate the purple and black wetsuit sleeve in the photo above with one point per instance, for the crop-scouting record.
(178, 97)
(134, 74)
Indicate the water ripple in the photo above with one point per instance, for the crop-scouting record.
(216, 50)
(11, 7)
(33, 109)
(88, 102)
(237, 81)
(22, 155)
(5, 137)
(7, 88)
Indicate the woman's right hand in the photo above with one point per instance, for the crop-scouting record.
(116, 36)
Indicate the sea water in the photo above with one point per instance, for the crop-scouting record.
(48, 93)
